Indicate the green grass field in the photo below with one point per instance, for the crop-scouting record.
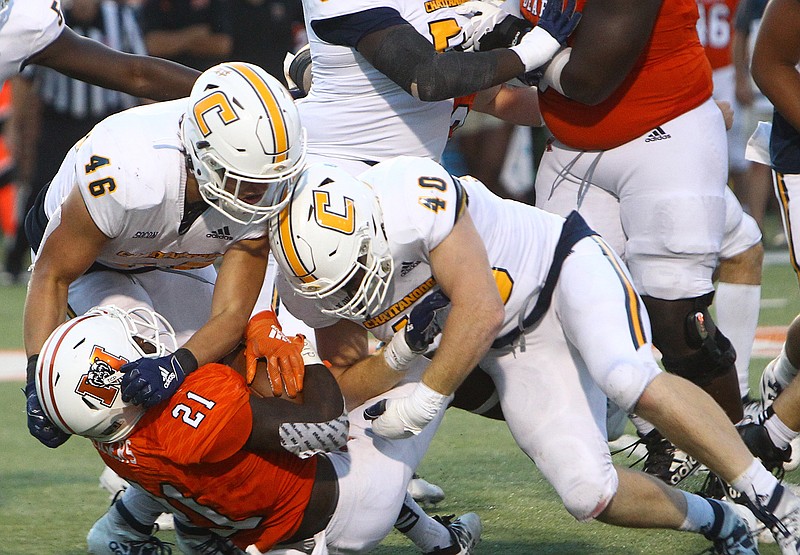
(50, 498)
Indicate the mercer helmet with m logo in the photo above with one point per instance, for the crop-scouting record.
(78, 377)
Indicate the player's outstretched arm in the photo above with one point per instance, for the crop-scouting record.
(66, 254)
(149, 381)
(518, 105)
(93, 62)
(461, 267)
(360, 376)
(410, 60)
(63, 256)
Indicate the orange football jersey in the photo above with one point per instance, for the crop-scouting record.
(671, 76)
(715, 28)
(188, 451)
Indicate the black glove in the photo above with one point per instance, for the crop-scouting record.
(149, 381)
(507, 33)
(422, 327)
(298, 68)
(39, 425)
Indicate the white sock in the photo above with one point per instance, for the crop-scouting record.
(756, 483)
(784, 371)
(737, 307)
(642, 426)
(415, 524)
(141, 505)
(780, 434)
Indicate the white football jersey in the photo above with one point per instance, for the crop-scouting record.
(354, 111)
(421, 203)
(31, 26)
(131, 172)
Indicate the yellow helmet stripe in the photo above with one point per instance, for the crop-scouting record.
(279, 128)
(289, 251)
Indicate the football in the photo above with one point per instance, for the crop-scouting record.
(261, 385)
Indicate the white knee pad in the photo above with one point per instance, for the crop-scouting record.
(589, 496)
(625, 381)
(741, 230)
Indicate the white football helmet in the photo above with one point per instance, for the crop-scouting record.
(78, 377)
(243, 136)
(330, 243)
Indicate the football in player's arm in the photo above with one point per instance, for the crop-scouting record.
(209, 440)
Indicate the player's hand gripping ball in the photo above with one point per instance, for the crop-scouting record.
(264, 340)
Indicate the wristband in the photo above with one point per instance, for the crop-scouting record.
(397, 353)
(508, 32)
(424, 404)
(298, 68)
(30, 369)
(308, 353)
(552, 73)
(536, 48)
(186, 359)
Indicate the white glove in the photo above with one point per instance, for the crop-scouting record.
(536, 48)
(483, 18)
(406, 416)
(556, 24)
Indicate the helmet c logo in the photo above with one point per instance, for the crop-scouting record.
(217, 102)
(96, 382)
(343, 223)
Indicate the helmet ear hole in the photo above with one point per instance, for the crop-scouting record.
(89, 404)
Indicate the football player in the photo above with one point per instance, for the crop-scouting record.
(541, 303)
(388, 80)
(738, 295)
(644, 161)
(34, 32)
(385, 75)
(775, 70)
(235, 468)
(143, 206)
(342, 35)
